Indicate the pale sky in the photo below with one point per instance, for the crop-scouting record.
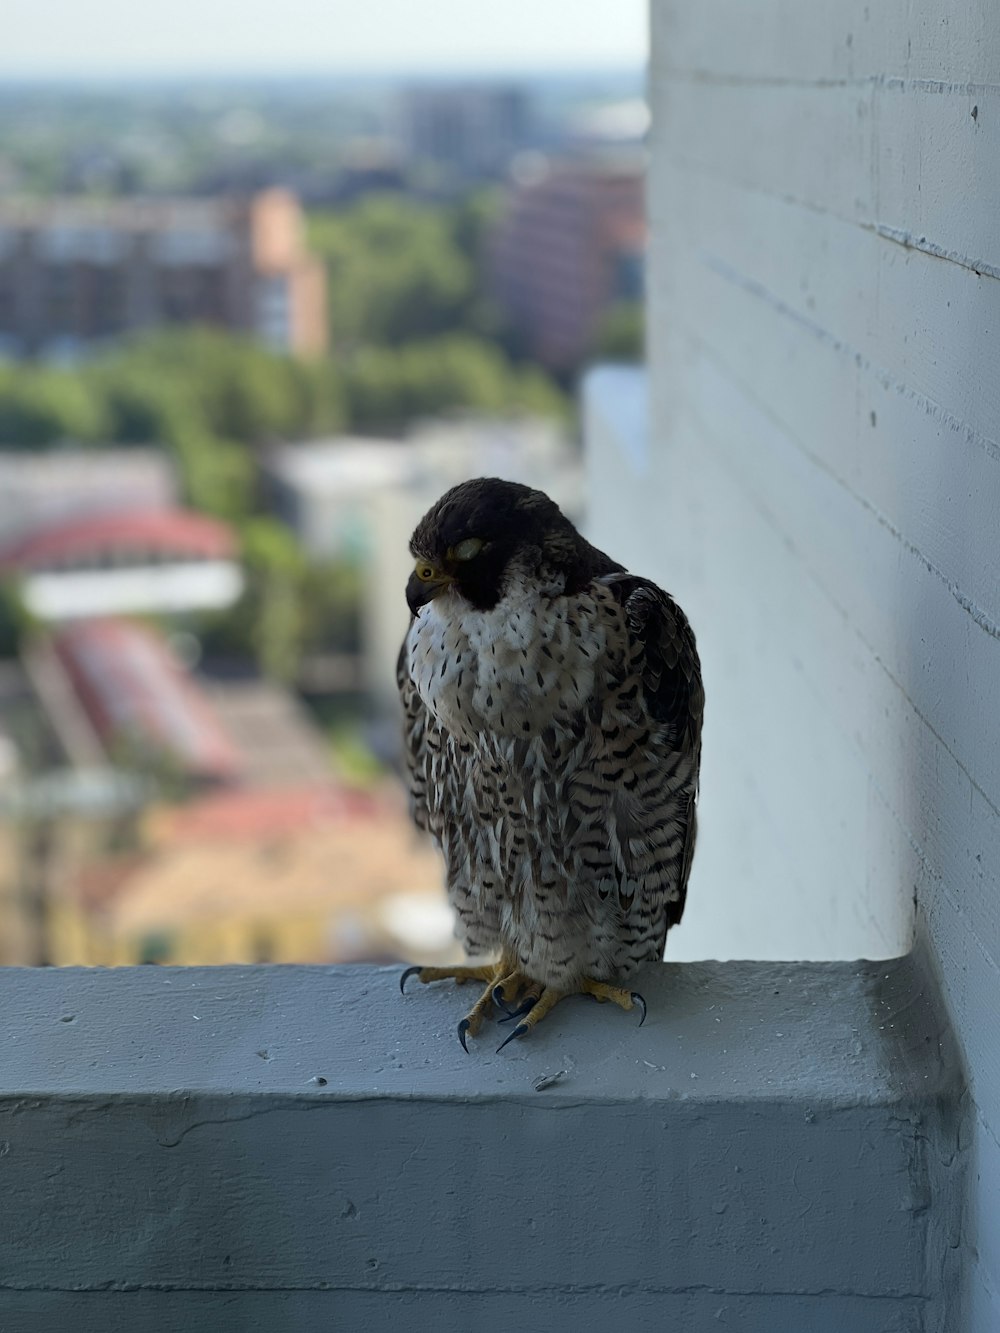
(94, 38)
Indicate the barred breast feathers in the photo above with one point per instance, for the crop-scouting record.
(553, 746)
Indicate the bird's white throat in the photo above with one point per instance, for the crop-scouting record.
(512, 669)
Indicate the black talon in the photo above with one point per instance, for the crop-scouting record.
(500, 1002)
(641, 1003)
(519, 1031)
(529, 1003)
(410, 972)
(463, 1028)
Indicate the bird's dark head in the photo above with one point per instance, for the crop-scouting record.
(482, 534)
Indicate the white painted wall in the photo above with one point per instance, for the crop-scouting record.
(822, 487)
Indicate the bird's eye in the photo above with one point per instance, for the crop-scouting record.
(468, 549)
(425, 573)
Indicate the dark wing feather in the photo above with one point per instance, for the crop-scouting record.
(672, 685)
(671, 674)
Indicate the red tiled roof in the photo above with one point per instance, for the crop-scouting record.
(130, 684)
(178, 532)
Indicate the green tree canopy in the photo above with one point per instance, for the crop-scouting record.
(40, 407)
(388, 387)
(621, 335)
(238, 388)
(396, 271)
(15, 618)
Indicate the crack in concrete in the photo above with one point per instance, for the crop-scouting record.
(256, 1113)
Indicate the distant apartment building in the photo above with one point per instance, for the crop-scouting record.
(78, 272)
(322, 488)
(41, 488)
(472, 131)
(568, 248)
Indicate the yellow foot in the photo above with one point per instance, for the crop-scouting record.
(506, 985)
(547, 999)
(491, 973)
(516, 988)
(457, 974)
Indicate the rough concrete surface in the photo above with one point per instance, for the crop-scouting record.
(297, 1148)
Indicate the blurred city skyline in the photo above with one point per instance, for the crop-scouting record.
(61, 39)
(270, 282)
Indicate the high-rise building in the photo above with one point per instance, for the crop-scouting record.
(470, 131)
(568, 247)
(76, 272)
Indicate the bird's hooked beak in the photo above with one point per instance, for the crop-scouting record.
(425, 583)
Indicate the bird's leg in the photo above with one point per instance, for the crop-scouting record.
(491, 973)
(548, 998)
(456, 974)
(625, 999)
(516, 988)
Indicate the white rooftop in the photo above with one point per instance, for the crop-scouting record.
(437, 452)
(342, 463)
(72, 594)
(39, 487)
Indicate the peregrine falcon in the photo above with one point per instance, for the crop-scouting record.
(553, 707)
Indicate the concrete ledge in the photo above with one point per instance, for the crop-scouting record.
(296, 1148)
